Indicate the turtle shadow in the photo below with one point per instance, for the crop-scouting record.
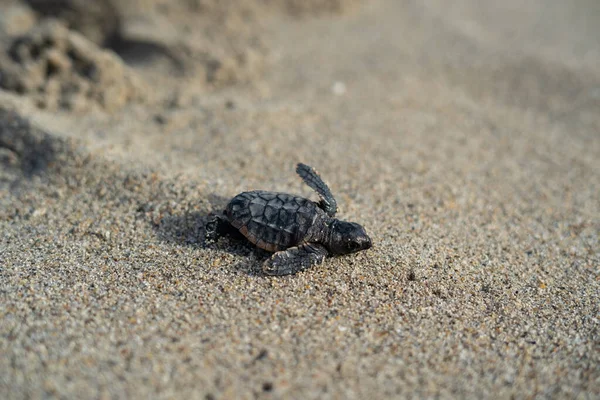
(183, 229)
(29, 149)
(189, 229)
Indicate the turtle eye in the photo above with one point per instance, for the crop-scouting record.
(353, 246)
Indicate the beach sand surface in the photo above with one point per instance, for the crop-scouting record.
(465, 138)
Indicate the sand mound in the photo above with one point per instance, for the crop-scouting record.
(61, 69)
(65, 170)
(30, 149)
(97, 20)
(210, 43)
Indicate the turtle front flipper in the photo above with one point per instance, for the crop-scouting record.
(312, 179)
(294, 259)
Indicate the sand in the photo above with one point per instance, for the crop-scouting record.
(465, 138)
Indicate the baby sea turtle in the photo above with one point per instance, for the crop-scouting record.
(299, 231)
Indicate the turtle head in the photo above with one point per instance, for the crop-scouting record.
(347, 237)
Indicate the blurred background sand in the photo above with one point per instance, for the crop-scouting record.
(464, 137)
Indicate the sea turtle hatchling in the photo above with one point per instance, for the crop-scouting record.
(299, 231)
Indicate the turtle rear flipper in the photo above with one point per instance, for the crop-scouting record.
(216, 226)
(295, 259)
(312, 179)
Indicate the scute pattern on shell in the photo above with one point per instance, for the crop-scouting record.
(272, 221)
